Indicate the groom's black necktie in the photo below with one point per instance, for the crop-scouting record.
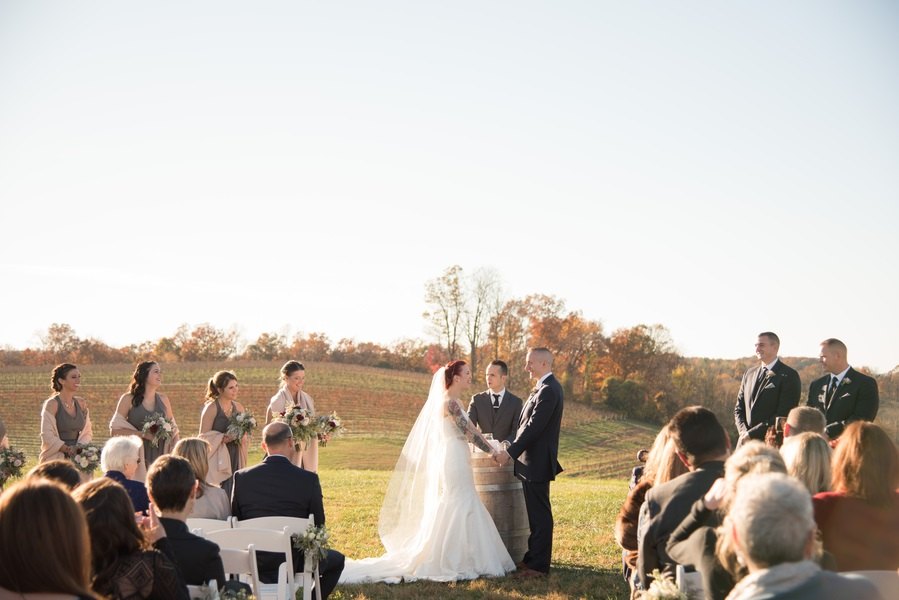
(495, 401)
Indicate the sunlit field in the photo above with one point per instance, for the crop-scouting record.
(378, 407)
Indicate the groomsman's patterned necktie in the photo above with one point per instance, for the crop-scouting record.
(495, 401)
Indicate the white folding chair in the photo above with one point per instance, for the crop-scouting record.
(267, 540)
(309, 577)
(689, 583)
(209, 591)
(887, 582)
(243, 564)
(208, 524)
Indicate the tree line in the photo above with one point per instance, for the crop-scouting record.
(635, 372)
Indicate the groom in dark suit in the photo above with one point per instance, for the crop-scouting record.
(496, 410)
(278, 488)
(536, 452)
(844, 394)
(767, 391)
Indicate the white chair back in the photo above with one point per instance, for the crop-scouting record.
(887, 582)
(689, 583)
(309, 577)
(243, 564)
(267, 540)
(208, 524)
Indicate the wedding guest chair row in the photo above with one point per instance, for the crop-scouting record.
(266, 534)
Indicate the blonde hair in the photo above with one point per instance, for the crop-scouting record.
(196, 451)
(866, 464)
(55, 554)
(807, 456)
(663, 464)
(752, 458)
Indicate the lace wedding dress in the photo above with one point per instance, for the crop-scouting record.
(433, 524)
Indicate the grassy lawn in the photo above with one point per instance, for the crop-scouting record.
(378, 407)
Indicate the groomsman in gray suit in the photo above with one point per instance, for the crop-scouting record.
(496, 410)
(769, 390)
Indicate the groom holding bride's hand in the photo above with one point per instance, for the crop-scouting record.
(536, 450)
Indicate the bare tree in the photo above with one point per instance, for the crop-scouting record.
(447, 299)
(484, 297)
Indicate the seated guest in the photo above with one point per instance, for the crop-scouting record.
(662, 465)
(128, 563)
(120, 460)
(807, 456)
(58, 470)
(859, 519)
(698, 540)
(703, 446)
(771, 528)
(172, 485)
(44, 544)
(802, 419)
(278, 488)
(212, 502)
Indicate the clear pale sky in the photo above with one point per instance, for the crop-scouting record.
(720, 168)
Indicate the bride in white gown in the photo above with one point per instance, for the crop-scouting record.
(433, 524)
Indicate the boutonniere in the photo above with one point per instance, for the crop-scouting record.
(535, 390)
(769, 375)
(845, 381)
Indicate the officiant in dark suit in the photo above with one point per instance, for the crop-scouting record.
(496, 410)
(769, 390)
(278, 488)
(536, 452)
(843, 394)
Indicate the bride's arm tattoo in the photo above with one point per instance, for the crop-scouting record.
(467, 428)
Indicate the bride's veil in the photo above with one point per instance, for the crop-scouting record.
(414, 488)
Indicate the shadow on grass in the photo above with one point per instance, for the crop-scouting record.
(565, 582)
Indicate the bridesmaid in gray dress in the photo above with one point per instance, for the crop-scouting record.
(142, 401)
(221, 405)
(65, 420)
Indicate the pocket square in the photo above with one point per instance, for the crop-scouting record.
(770, 386)
(846, 395)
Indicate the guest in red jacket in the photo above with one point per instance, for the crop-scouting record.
(859, 520)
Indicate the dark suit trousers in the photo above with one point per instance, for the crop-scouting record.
(540, 520)
(329, 568)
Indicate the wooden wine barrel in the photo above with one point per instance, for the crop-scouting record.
(501, 493)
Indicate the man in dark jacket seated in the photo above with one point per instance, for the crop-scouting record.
(172, 486)
(278, 488)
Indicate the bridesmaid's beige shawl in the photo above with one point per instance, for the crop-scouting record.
(219, 459)
(50, 442)
(120, 422)
(307, 457)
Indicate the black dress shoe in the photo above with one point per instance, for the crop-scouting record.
(527, 573)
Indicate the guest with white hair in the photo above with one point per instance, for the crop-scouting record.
(771, 526)
(807, 456)
(119, 460)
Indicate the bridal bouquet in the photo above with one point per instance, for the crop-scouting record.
(11, 463)
(86, 457)
(240, 424)
(301, 422)
(314, 543)
(329, 426)
(160, 428)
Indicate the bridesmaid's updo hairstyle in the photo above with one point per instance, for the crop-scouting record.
(60, 372)
(139, 381)
(217, 383)
(453, 368)
(291, 367)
